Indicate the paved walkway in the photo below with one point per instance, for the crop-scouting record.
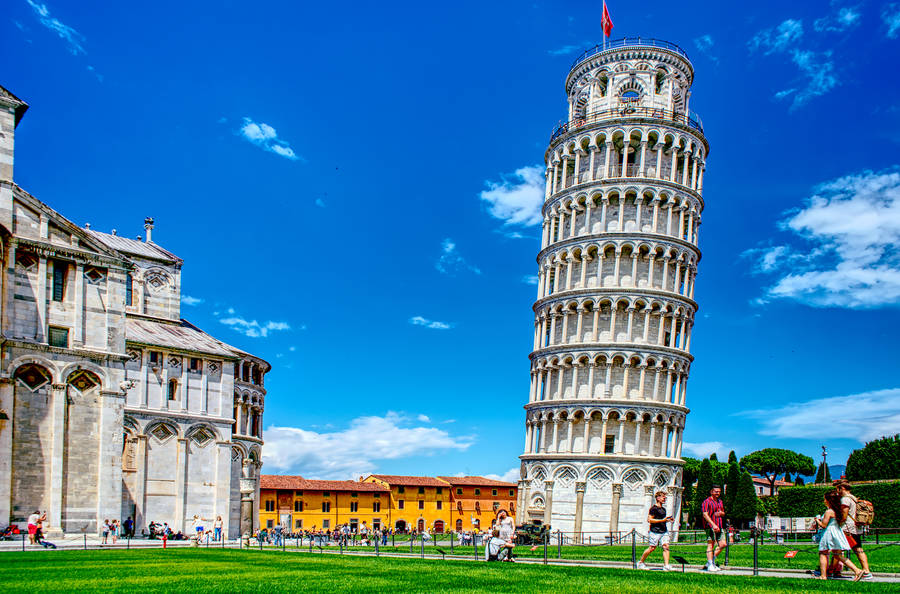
(93, 543)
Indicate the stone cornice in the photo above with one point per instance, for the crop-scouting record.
(611, 348)
(615, 458)
(630, 237)
(629, 292)
(175, 414)
(75, 351)
(648, 405)
(51, 250)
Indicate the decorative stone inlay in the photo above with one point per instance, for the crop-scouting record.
(134, 355)
(162, 432)
(83, 380)
(32, 376)
(174, 361)
(94, 275)
(25, 259)
(202, 437)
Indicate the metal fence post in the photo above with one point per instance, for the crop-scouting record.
(85, 541)
(756, 554)
(451, 542)
(423, 548)
(559, 544)
(633, 548)
(475, 545)
(727, 548)
(546, 538)
(875, 530)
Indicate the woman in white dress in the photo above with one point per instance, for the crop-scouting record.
(832, 539)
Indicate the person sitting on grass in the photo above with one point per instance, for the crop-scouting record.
(496, 548)
(832, 538)
(659, 531)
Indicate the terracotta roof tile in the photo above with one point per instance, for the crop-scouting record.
(410, 481)
(475, 481)
(298, 483)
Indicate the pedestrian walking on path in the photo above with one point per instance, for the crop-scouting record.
(659, 531)
(831, 537)
(713, 519)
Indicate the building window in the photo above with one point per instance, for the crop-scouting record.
(496, 506)
(354, 494)
(270, 505)
(376, 524)
(298, 524)
(326, 494)
(610, 446)
(494, 492)
(173, 389)
(421, 504)
(439, 490)
(326, 507)
(478, 491)
(440, 504)
(459, 491)
(377, 495)
(270, 523)
(59, 279)
(326, 524)
(421, 490)
(376, 506)
(401, 489)
(59, 337)
(196, 364)
(400, 504)
(354, 506)
(512, 493)
(155, 357)
(298, 506)
(129, 289)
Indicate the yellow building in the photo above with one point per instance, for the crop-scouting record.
(300, 504)
(401, 503)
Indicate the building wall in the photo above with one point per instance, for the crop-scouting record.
(470, 510)
(312, 516)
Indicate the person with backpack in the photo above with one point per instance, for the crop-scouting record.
(858, 513)
(831, 538)
(497, 549)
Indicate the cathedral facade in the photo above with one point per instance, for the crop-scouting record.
(111, 404)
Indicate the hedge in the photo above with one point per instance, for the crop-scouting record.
(795, 502)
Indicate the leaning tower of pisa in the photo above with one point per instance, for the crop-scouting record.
(615, 304)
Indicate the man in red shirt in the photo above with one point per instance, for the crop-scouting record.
(713, 518)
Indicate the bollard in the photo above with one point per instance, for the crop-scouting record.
(310, 543)
(756, 554)
(85, 542)
(282, 543)
(633, 549)
(165, 538)
(393, 543)
(727, 548)
(376, 547)
(23, 541)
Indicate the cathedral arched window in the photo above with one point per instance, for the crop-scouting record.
(173, 389)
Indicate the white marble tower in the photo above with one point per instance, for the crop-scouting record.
(615, 304)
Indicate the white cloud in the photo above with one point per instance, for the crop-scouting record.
(252, 328)
(265, 137)
(420, 321)
(777, 39)
(850, 229)
(188, 300)
(891, 17)
(354, 451)
(450, 262)
(517, 200)
(320, 203)
(72, 37)
(704, 45)
(564, 50)
(817, 68)
(530, 279)
(860, 417)
(510, 476)
(845, 18)
(423, 418)
(703, 449)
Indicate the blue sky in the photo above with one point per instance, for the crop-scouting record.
(353, 195)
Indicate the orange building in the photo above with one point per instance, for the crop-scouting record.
(299, 504)
(475, 500)
(417, 502)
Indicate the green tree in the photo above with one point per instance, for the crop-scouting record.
(745, 503)
(732, 483)
(704, 484)
(732, 457)
(713, 457)
(799, 482)
(787, 477)
(877, 460)
(823, 475)
(771, 462)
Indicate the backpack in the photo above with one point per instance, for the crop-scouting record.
(865, 513)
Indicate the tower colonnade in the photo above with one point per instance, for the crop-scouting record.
(615, 301)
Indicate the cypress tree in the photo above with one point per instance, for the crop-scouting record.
(732, 457)
(787, 477)
(745, 501)
(823, 475)
(732, 485)
(799, 482)
(713, 457)
(704, 484)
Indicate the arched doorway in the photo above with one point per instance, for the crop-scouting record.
(459, 525)
(438, 526)
(400, 526)
(420, 526)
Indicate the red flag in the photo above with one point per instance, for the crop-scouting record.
(606, 22)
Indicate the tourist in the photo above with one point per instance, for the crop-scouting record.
(832, 538)
(114, 530)
(713, 517)
(384, 536)
(39, 534)
(496, 548)
(217, 528)
(278, 535)
(851, 530)
(507, 528)
(105, 531)
(33, 520)
(128, 525)
(659, 531)
(364, 533)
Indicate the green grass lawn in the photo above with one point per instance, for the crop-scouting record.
(881, 558)
(228, 570)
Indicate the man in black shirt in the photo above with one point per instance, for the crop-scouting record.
(659, 531)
